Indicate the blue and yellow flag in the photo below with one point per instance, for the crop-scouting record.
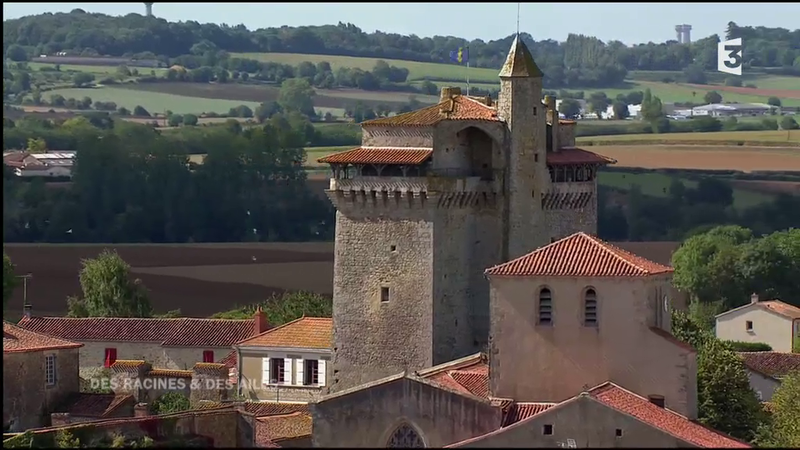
(460, 56)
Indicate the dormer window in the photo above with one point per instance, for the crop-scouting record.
(590, 308)
(545, 307)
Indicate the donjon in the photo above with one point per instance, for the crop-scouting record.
(429, 200)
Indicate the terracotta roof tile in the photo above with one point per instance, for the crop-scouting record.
(272, 429)
(662, 418)
(180, 332)
(126, 364)
(566, 156)
(784, 309)
(230, 360)
(305, 332)
(96, 405)
(261, 409)
(379, 155)
(459, 107)
(579, 255)
(169, 373)
(521, 411)
(20, 340)
(470, 377)
(772, 364)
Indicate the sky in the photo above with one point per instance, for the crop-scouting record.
(630, 23)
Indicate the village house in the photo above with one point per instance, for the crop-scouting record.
(771, 322)
(289, 363)
(766, 369)
(176, 343)
(39, 373)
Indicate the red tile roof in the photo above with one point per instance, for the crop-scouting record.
(230, 360)
(784, 309)
(271, 430)
(579, 255)
(772, 364)
(664, 419)
(521, 411)
(469, 375)
(96, 405)
(180, 332)
(379, 155)
(169, 373)
(20, 340)
(459, 107)
(305, 332)
(261, 409)
(567, 156)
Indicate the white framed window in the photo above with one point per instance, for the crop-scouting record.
(311, 372)
(50, 370)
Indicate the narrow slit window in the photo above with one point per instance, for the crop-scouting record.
(384, 294)
(545, 307)
(590, 308)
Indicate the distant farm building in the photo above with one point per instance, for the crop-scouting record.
(47, 165)
(732, 109)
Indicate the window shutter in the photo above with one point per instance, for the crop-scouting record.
(300, 365)
(265, 371)
(322, 372)
(287, 371)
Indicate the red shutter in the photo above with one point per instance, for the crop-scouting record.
(111, 357)
(208, 356)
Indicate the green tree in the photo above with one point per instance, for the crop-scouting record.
(296, 94)
(190, 120)
(108, 290)
(712, 97)
(784, 431)
(10, 280)
(570, 108)
(175, 120)
(171, 402)
(65, 439)
(16, 53)
(652, 107)
(81, 79)
(788, 123)
(725, 400)
(37, 145)
(140, 112)
(620, 110)
(284, 308)
(774, 101)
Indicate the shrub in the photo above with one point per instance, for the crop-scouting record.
(171, 402)
(740, 346)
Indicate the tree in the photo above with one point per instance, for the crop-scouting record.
(784, 431)
(620, 110)
(774, 101)
(652, 108)
(175, 120)
(695, 74)
(37, 145)
(725, 400)
(10, 280)
(190, 120)
(171, 402)
(296, 94)
(81, 79)
(570, 108)
(16, 53)
(712, 97)
(140, 112)
(285, 308)
(266, 110)
(108, 290)
(788, 123)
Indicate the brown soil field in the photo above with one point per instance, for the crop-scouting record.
(338, 98)
(707, 157)
(200, 279)
(780, 93)
(768, 187)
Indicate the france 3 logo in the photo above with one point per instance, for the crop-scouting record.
(730, 56)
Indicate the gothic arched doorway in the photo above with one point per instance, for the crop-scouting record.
(405, 437)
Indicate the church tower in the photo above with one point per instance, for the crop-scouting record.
(520, 106)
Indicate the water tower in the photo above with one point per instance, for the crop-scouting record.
(684, 33)
(148, 9)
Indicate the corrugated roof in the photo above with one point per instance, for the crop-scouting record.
(20, 340)
(566, 156)
(305, 332)
(178, 332)
(379, 155)
(459, 107)
(579, 255)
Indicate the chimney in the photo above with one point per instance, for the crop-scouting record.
(260, 321)
(141, 410)
(27, 309)
(754, 298)
(448, 93)
(552, 117)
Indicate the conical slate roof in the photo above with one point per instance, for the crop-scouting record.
(519, 62)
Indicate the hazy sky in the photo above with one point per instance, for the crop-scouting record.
(627, 22)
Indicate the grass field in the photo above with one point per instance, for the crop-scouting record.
(788, 136)
(97, 70)
(157, 102)
(200, 279)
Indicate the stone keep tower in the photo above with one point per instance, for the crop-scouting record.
(429, 201)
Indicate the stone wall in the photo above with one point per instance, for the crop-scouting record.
(27, 399)
(179, 358)
(206, 381)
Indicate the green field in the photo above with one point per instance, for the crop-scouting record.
(791, 136)
(155, 102)
(417, 70)
(657, 185)
(97, 70)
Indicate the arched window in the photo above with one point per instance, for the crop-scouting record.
(590, 308)
(545, 307)
(405, 437)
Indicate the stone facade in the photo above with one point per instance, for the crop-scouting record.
(565, 356)
(410, 251)
(27, 398)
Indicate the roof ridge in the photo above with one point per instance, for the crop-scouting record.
(174, 319)
(613, 251)
(272, 329)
